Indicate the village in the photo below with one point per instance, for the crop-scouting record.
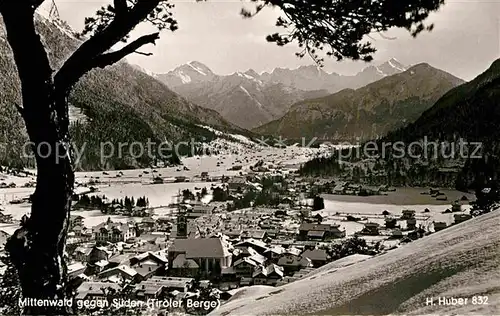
(263, 225)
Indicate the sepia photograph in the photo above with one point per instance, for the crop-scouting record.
(249, 157)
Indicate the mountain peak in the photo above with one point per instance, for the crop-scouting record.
(191, 72)
(421, 66)
(199, 67)
(392, 66)
(252, 73)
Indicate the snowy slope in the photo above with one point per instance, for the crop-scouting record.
(461, 261)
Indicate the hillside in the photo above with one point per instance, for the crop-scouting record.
(121, 104)
(471, 111)
(250, 99)
(460, 261)
(368, 112)
(468, 113)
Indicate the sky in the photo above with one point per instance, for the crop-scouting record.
(464, 42)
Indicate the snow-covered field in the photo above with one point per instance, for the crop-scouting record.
(137, 182)
(461, 262)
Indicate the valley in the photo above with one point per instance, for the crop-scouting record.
(249, 183)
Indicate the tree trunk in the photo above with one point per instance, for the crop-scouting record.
(37, 248)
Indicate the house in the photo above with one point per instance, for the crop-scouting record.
(245, 267)
(110, 231)
(390, 222)
(148, 290)
(292, 263)
(147, 269)
(456, 206)
(293, 251)
(98, 253)
(256, 257)
(411, 223)
(156, 257)
(269, 275)
(439, 226)
(312, 231)
(459, 218)
(237, 184)
(204, 176)
(76, 220)
(157, 287)
(254, 234)
(397, 234)
(272, 233)
(3, 238)
(232, 233)
(274, 253)
(283, 207)
(81, 253)
(75, 269)
(97, 267)
(180, 179)
(147, 224)
(370, 229)
(206, 255)
(339, 188)
(257, 245)
(96, 290)
(280, 212)
(199, 210)
(78, 230)
(268, 224)
(318, 257)
(119, 259)
(206, 209)
(121, 272)
(407, 214)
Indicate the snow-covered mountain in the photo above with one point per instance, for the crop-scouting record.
(249, 99)
(368, 112)
(192, 72)
(313, 77)
(243, 98)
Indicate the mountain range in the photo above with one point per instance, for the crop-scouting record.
(249, 99)
(368, 112)
(120, 104)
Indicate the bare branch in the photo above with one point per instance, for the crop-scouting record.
(29, 54)
(388, 37)
(120, 7)
(31, 4)
(113, 57)
(144, 54)
(83, 58)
